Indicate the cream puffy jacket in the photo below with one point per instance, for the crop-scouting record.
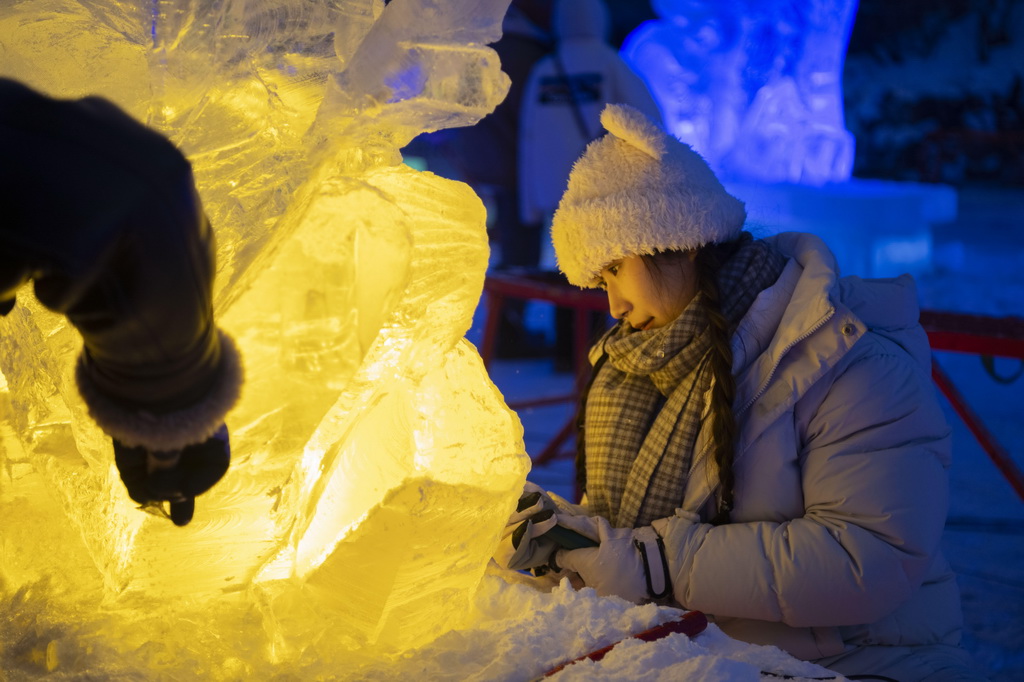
(841, 471)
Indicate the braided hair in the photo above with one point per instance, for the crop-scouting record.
(724, 431)
(708, 261)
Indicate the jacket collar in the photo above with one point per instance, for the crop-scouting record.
(800, 328)
(800, 302)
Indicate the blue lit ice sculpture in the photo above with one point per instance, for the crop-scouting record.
(753, 85)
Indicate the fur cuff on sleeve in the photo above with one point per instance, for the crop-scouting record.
(173, 430)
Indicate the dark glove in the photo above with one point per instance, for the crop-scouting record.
(176, 476)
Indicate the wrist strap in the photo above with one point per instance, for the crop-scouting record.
(652, 551)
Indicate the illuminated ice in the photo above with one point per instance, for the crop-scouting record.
(374, 461)
(755, 86)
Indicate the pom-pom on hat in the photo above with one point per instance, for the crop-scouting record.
(637, 191)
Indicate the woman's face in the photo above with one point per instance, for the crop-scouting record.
(649, 297)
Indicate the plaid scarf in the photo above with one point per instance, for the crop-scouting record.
(647, 401)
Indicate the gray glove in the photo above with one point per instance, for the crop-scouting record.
(628, 563)
(532, 534)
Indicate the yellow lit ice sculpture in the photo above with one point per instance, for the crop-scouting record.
(374, 461)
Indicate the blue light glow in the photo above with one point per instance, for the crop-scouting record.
(755, 86)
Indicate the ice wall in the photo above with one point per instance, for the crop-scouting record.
(374, 461)
(755, 86)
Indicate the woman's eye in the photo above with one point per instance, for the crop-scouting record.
(614, 269)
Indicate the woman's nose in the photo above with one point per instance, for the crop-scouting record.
(617, 306)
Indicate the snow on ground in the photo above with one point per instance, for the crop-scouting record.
(520, 632)
(978, 267)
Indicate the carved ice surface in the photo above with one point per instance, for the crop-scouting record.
(755, 86)
(374, 461)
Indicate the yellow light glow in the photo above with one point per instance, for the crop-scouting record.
(374, 463)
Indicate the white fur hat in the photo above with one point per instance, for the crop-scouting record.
(638, 191)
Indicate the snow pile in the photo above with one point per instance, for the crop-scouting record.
(520, 633)
(516, 630)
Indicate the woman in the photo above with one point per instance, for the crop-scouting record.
(761, 440)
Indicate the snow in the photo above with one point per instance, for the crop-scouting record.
(951, 78)
(949, 71)
(520, 632)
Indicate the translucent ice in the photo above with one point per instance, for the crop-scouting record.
(754, 85)
(374, 461)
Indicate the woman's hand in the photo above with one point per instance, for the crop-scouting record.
(531, 536)
(628, 563)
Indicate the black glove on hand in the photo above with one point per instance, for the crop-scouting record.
(119, 243)
(177, 477)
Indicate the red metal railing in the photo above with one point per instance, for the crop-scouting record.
(980, 335)
(498, 288)
(954, 332)
(583, 302)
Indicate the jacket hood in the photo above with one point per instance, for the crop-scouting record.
(801, 301)
(888, 307)
(575, 19)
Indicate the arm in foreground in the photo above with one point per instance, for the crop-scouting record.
(103, 215)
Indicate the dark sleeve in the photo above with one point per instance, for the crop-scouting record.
(70, 172)
(102, 213)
